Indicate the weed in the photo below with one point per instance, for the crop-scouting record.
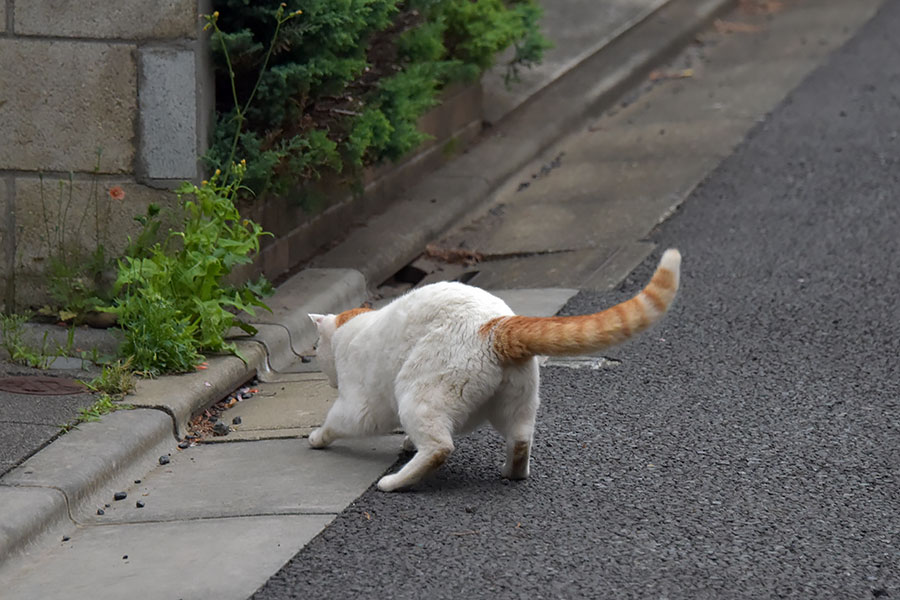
(104, 405)
(79, 280)
(116, 379)
(172, 300)
(21, 352)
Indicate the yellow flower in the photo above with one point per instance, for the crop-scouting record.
(204, 182)
(298, 12)
(216, 15)
(218, 171)
(243, 162)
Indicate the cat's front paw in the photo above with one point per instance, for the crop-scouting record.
(389, 483)
(317, 439)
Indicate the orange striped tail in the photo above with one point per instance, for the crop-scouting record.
(517, 338)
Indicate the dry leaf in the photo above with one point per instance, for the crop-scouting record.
(453, 255)
(682, 74)
(735, 27)
(761, 7)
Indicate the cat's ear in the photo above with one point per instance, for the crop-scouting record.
(316, 318)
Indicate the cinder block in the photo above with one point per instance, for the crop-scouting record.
(123, 19)
(168, 109)
(7, 243)
(41, 223)
(61, 100)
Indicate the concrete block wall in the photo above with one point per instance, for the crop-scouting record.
(128, 77)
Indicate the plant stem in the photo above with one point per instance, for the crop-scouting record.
(44, 214)
(239, 111)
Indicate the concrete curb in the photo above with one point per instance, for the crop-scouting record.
(286, 332)
(394, 238)
(52, 487)
(180, 396)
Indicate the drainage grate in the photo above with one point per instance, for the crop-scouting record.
(41, 385)
(594, 363)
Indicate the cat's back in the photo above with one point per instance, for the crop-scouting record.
(451, 302)
(436, 327)
(440, 318)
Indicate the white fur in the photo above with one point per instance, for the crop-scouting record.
(421, 364)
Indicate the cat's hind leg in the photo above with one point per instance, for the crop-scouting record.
(513, 415)
(425, 461)
(430, 431)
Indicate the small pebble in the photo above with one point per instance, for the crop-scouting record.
(66, 538)
(305, 359)
(470, 509)
(183, 445)
(221, 428)
(125, 557)
(236, 421)
(100, 511)
(163, 460)
(107, 505)
(137, 480)
(140, 504)
(120, 496)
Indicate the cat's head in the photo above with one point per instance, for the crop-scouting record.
(326, 326)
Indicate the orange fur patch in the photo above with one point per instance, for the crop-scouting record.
(654, 299)
(520, 455)
(345, 316)
(438, 458)
(663, 278)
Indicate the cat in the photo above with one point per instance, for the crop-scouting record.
(446, 357)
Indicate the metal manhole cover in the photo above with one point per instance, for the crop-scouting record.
(41, 385)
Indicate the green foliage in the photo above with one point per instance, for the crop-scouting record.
(23, 353)
(344, 83)
(116, 379)
(158, 339)
(104, 405)
(114, 383)
(173, 301)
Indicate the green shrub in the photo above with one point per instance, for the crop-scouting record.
(343, 84)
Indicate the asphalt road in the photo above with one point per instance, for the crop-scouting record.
(747, 447)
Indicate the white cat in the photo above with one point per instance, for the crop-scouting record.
(446, 357)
